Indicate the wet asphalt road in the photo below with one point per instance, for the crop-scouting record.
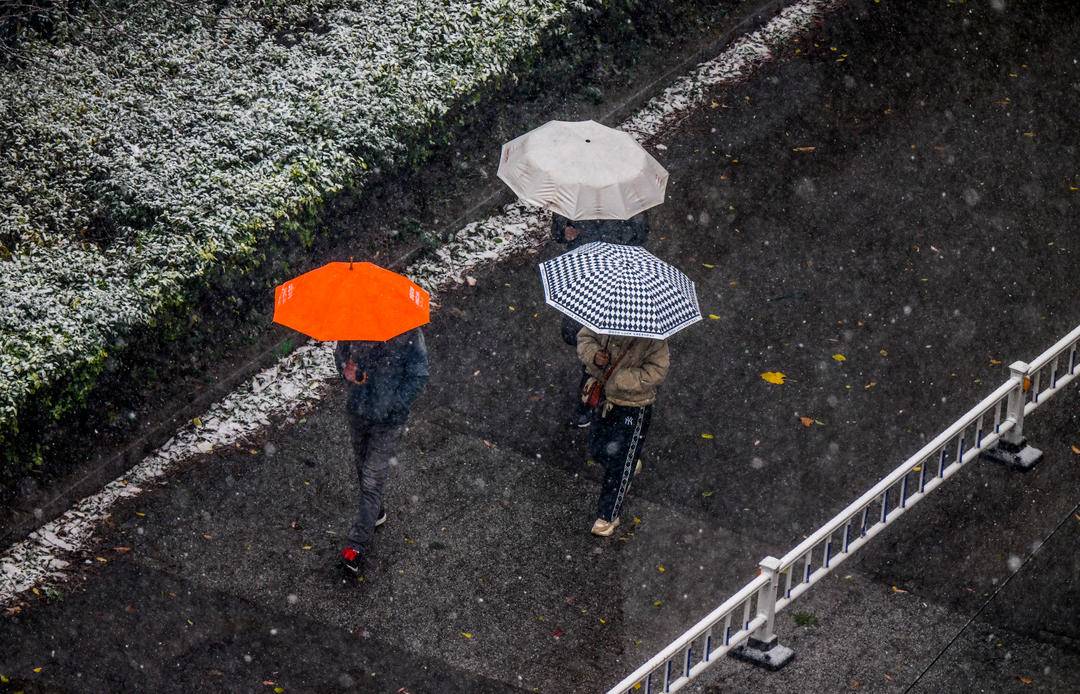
(928, 237)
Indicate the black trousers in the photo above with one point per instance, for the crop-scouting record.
(615, 441)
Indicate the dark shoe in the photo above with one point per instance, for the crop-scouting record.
(582, 418)
(350, 559)
(381, 519)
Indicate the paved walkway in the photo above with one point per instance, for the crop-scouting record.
(926, 238)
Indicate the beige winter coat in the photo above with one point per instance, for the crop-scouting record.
(641, 370)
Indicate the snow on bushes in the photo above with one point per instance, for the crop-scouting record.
(137, 158)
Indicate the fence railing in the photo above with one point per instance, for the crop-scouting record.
(748, 618)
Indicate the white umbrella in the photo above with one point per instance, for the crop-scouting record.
(583, 170)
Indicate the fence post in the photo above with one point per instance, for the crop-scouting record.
(762, 648)
(1012, 448)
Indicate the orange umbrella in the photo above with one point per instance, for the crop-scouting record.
(351, 301)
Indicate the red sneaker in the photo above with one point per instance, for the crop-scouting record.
(350, 559)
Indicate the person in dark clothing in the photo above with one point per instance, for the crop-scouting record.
(384, 378)
(628, 232)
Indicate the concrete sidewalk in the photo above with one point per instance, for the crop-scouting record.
(927, 238)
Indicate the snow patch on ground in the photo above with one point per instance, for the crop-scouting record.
(302, 377)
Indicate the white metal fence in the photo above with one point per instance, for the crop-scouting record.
(750, 614)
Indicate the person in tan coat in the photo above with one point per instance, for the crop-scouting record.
(630, 370)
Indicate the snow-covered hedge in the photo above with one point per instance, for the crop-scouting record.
(137, 158)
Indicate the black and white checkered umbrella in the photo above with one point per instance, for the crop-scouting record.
(620, 290)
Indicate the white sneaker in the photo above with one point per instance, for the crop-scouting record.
(603, 528)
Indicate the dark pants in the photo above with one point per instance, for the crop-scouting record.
(615, 442)
(374, 446)
(570, 328)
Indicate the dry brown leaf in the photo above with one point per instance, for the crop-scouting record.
(807, 421)
(804, 149)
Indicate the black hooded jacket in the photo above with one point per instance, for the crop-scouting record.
(396, 371)
(628, 232)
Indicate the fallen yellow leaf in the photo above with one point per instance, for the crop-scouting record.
(467, 634)
(197, 422)
(707, 436)
(1029, 134)
(103, 560)
(775, 377)
(603, 621)
(898, 590)
(279, 690)
(707, 494)
(37, 669)
(657, 603)
(994, 362)
(883, 352)
(306, 547)
(709, 265)
(637, 520)
(661, 568)
(713, 316)
(807, 421)
(839, 357)
(870, 385)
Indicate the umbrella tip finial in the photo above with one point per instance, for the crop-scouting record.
(350, 262)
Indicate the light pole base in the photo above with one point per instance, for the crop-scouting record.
(767, 654)
(1019, 456)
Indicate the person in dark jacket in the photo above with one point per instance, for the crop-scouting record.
(627, 232)
(384, 378)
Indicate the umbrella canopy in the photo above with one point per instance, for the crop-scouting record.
(620, 290)
(583, 170)
(351, 301)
